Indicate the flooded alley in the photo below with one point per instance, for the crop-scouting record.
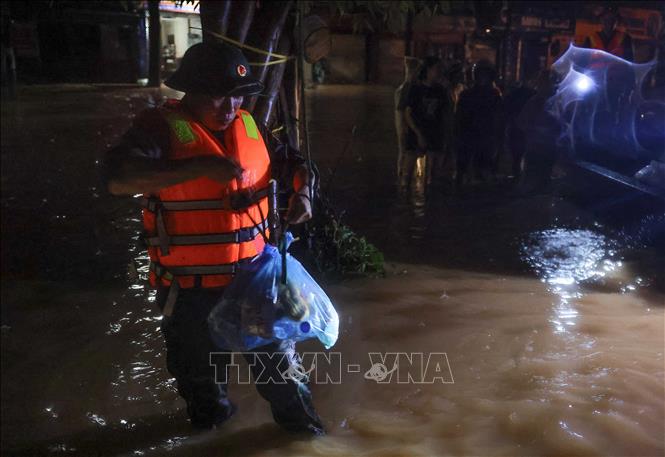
(550, 313)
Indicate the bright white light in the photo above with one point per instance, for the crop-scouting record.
(583, 83)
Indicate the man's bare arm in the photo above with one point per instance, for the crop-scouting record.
(411, 122)
(300, 205)
(422, 143)
(133, 174)
(301, 180)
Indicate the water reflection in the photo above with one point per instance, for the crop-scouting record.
(141, 377)
(563, 258)
(412, 203)
(96, 419)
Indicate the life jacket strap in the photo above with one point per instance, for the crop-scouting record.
(197, 271)
(169, 273)
(239, 236)
(162, 235)
(236, 201)
(171, 298)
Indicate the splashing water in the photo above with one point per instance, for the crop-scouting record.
(600, 103)
(563, 258)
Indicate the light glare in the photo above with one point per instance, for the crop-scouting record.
(583, 83)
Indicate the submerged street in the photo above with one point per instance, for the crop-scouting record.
(550, 308)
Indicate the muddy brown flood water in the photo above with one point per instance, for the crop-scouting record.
(551, 322)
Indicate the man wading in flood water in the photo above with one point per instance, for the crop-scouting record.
(203, 168)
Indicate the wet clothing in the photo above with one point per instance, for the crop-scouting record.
(189, 345)
(431, 107)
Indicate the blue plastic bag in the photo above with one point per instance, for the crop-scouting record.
(257, 308)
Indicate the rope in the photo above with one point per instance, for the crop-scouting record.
(280, 58)
(273, 62)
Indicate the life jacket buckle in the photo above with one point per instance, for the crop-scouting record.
(161, 272)
(150, 203)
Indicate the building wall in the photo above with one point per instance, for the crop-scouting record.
(390, 68)
(179, 28)
(118, 46)
(346, 62)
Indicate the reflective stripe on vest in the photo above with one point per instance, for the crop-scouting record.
(250, 126)
(196, 229)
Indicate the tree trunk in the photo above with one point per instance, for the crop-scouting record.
(290, 127)
(302, 99)
(214, 17)
(241, 17)
(291, 102)
(265, 33)
(155, 56)
(264, 105)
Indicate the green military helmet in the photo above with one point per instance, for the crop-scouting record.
(216, 69)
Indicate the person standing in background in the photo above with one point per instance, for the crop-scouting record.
(517, 97)
(456, 80)
(479, 124)
(410, 70)
(542, 132)
(610, 39)
(426, 107)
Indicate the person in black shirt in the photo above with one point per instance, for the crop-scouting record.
(479, 124)
(426, 108)
(411, 66)
(542, 132)
(517, 97)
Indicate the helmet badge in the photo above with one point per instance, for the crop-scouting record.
(242, 71)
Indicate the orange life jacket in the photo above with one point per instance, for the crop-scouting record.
(198, 230)
(615, 46)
